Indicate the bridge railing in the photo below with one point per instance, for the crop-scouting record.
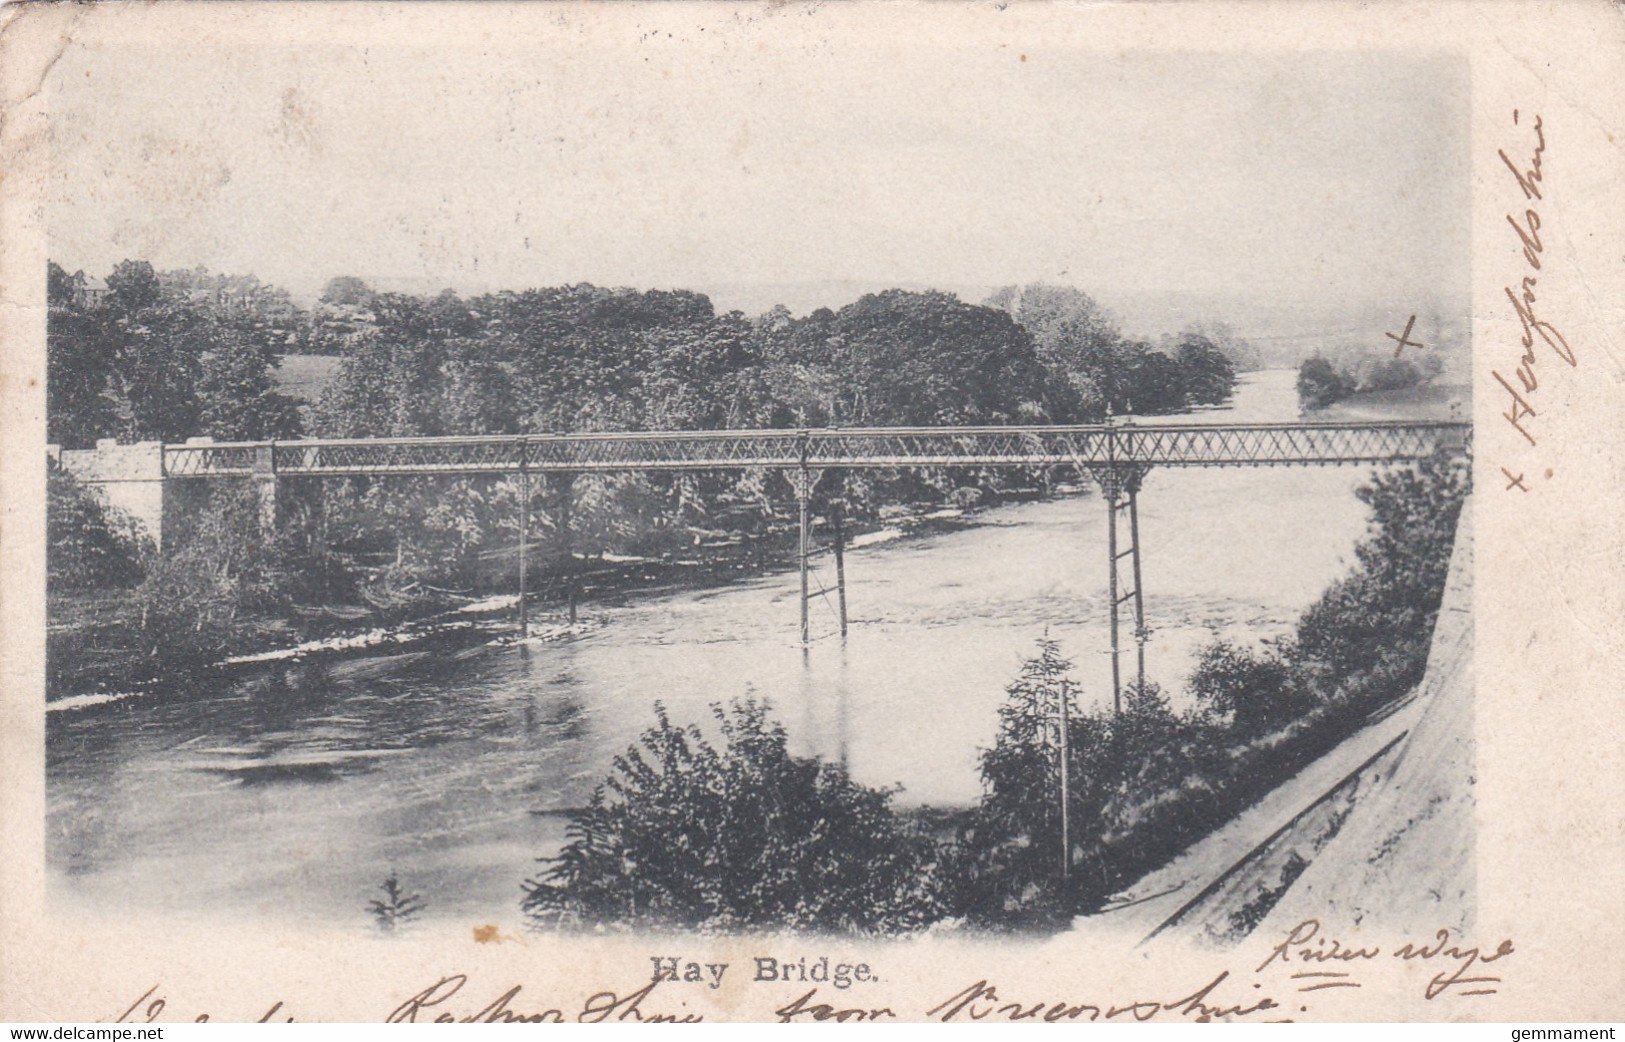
(1279, 444)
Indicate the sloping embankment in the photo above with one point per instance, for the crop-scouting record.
(1404, 861)
(1379, 831)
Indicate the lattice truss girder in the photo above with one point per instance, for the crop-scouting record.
(1085, 447)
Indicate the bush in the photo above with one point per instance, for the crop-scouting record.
(1320, 384)
(198, 600)
(1391, 374)
(685, 834)
(89, 545)
(1254, 693)
(1380, 619)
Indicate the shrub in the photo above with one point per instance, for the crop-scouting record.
(90, 546)
(1391, 374)
(1253, 692)
(1380, 619)
(1320, 383)
(397, 908)
(686, 834)
(197, 600)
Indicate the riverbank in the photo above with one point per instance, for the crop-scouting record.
(1422, 403)
(95, 656)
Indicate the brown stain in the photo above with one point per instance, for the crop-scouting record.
(487, 934)
(298, 123)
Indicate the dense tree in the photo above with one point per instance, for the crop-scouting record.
(132, 287)
(928, 358)
(1015, 840)
(1391, 374)
(89, 546)
(1252, 692)
(1209, 376)
(237, 392)
(1382, 615)
(347, 290)
(688, 834)
(155, 364)
(1320, 383)
(1076, 338)
(1106, 372)
(243, 304)
(79, 364)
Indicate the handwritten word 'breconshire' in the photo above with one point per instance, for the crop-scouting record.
(1520, 389)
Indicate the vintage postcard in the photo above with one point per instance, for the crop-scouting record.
(970, 512)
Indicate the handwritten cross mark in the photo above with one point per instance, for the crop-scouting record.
(1403, 340)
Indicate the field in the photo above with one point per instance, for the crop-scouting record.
(306, 376)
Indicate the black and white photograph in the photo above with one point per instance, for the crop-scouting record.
(684, 473)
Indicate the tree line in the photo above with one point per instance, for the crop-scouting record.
(181, 353)
(170, 355)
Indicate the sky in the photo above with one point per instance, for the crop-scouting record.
(770, 165)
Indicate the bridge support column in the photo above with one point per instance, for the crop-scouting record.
(266, 488)
(838, 508)
(1120, 487)
(803, 494)
(802, 481)
(1141, 634)
(566, 522)
(524, 546)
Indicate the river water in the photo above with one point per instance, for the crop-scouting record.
(294, 792)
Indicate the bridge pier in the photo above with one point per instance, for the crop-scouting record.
(1120, 488)
(837, 508)
(129, 478)
(805, 547)
(802, 481)
(1141, 634)
(266, 489)
(524, 547)
(567, 547)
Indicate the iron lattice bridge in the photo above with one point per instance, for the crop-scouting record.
(1087, 447)
(1115, 455)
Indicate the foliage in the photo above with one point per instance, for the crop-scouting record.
(1392, 374)
(397, 907)
(1249, 690)
(78, 365)
(90, 545)
(686, 834)
(223, 572)
(152, 362)
(1382, 615)
(1104, 372)
(1209, 376)
(1014, 841)
(1320, 383)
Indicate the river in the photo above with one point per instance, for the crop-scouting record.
(292, 793)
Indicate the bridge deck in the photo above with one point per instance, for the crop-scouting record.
(1092, 446)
